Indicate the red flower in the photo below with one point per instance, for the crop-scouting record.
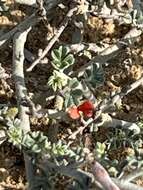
(73, 112)
(87, 108)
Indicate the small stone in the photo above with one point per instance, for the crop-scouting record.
(3, 174)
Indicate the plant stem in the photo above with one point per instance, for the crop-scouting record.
(21, 91)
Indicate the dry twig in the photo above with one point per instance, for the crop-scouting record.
(30, 21)
(27, 2)
(118, 96)
(76, 48)
(111, 51)
(54, 38)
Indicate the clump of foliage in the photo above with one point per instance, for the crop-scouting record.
(59, 156)
(80, 111)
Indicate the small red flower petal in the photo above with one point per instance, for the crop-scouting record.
(87, 108)
(88, 113)
(87, 105)
(73, 112)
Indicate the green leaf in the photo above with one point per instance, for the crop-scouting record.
(56, 64)
(100, 148)
(35, 148)
(74, 83)
(73, 93)
(56, 55)
(76, 100)
(68, 101)
(58, 80)
(3, 136)
(54, 86)
(65, 51)
(61, 58)
(69, 59)
(28, 141)
(77, 93)
(95, 75)
(35, 134)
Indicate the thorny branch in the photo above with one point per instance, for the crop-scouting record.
(54, 38)
(30, 21)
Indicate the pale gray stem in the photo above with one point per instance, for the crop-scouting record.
(33, 2)
(18, 74)
(126, 185)
(76, 48)
(27, 2)
(131, 87)
(102, 176)
(108, 121)
(133, 175)
(126, 90)
(111, 51)
(125, 125)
